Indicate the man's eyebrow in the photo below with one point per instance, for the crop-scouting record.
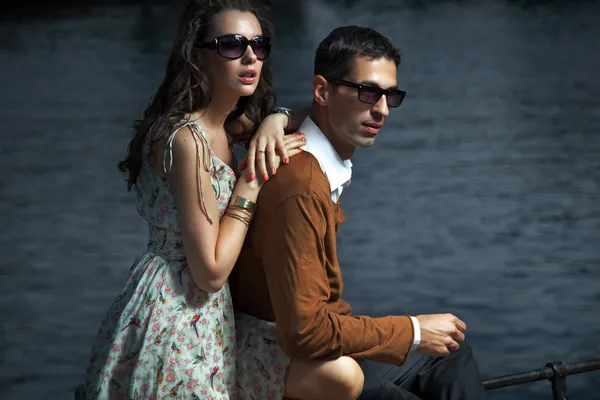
(371, 83)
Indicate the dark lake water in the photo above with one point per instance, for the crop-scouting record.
(480, 197)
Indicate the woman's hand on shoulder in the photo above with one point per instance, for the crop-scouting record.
(270, 147)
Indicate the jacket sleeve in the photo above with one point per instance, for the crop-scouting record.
(295, 264)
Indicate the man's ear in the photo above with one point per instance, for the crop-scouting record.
(320, 88)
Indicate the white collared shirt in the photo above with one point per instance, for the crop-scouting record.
(339, 174)
(337, 171)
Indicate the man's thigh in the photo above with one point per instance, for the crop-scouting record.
(403, 375)
(455, 376)
(391, 382)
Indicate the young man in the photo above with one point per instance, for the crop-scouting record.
(288, 271)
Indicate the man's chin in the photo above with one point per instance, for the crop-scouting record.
(365, 142)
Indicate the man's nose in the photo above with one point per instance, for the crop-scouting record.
(381, 106)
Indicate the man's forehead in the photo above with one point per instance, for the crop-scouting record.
(378, 70)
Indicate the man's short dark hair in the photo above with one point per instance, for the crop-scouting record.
(336, 53)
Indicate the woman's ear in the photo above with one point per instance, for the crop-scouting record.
(320, 89)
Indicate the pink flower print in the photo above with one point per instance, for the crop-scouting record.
(173, 361)
(168, 290)
(108, 360)
(192, 384)
(190, 346)
(153, 397)
(215, 358)
(220, 376)
(171, 378)
(138, 363)
(159, 285)
(203, 391)
(158, 312)
(270, 394)
(145, 387)
(115, 347)
(204, 321)
(277, 369)
(155, 327)
(208, 345)
(257, 389)
(137, 378)
(189, 371)
(180, 339)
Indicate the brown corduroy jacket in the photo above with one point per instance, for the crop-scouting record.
(288, 272)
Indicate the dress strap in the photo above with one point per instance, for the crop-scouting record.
(201, 145)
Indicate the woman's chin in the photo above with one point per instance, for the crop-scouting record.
(246, 90)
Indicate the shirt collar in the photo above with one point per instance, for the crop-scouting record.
(338, 171)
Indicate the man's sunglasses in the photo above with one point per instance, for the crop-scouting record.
(233, 47)
(371, 94)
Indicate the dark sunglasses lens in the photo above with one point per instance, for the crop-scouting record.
(370, 95)
(262, 48)
(395, 99)
(231, 48)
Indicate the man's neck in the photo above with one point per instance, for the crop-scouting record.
(319, 117)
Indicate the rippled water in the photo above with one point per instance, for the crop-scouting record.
(479, 198)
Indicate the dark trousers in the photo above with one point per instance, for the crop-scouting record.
(455, 377)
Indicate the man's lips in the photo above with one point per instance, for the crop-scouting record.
(373, 127)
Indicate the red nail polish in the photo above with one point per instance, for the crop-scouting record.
(265, 177)
(301, 134)
(286, 160)
(251, 177)
(273, 171)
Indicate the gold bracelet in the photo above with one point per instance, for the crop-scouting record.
(242, 202)
(244, 220)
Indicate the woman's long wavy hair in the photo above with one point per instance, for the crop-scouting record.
(185, 87)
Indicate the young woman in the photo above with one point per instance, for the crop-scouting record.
(170, 333)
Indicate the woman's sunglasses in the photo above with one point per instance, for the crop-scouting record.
(371, 94)
(233, 47)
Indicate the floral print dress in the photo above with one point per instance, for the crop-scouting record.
(163, 337)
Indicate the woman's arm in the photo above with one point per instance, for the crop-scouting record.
(266, 150)
(240, 126)
(211, 248)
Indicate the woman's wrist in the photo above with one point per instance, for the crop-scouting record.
(247, 189)
(282, 119)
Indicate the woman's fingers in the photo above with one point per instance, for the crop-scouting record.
(250, 160)
(281, 150)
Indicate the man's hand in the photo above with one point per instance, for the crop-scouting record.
(441, 334)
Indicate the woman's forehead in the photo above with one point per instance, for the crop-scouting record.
(236, 22)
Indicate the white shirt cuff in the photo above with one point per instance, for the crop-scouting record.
(417, 334)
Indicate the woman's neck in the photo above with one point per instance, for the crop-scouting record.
(213, 117)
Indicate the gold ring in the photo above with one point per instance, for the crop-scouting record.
(261, 152)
